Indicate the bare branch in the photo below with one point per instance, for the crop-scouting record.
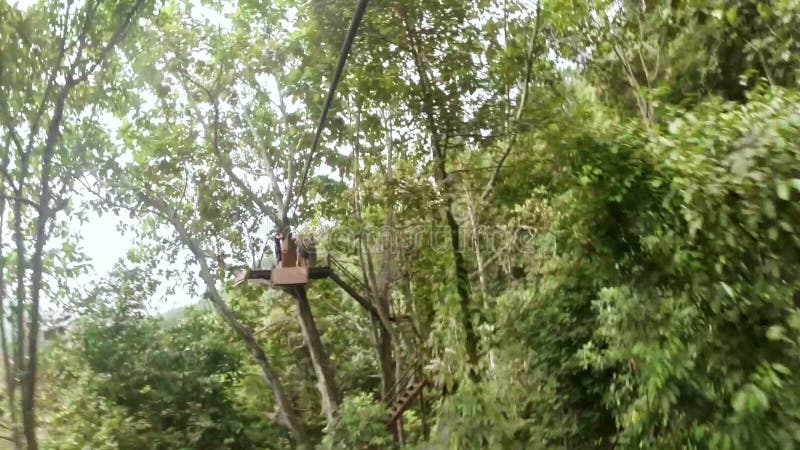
(227, 166)
(520, 108)
(90, 9)
(290, 169)
(195, 83)
(4, 168)
(269, 166)
(119, 34)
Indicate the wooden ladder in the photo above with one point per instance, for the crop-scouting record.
(405, 390)
(403, 400)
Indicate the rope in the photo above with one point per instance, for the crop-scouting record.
(402, 383)
(358, 14)
(342, 270)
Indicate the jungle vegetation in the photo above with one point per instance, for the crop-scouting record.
(578, 221)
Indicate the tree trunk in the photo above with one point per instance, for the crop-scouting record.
(476, 248)
(18, 325)
(43, 212)
(285, 406)
(323, 368)
(7, 367)
(445, 183)
(288, 415)
(379, 287)
(386, 359)
(326, 381)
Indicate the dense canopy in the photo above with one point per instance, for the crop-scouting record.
(539, 224)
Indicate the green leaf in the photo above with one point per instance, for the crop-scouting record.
(783, 190)
(728, 290)
(769, 209)
(780, 368)
(759, 399)
(776, 333)
(732, 15)
(772, 233)
(739, 402)
(750, 399)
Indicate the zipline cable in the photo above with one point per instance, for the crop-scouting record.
(358, 14)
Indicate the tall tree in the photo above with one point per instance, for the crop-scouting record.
(63, 46)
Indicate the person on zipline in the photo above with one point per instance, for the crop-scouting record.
(281, 240)
(306, 249)
(277, 238)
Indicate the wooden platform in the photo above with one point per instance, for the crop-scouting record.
(263, 276)
(343, 278)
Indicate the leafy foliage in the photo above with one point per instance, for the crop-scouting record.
(577, 221)
(141, 384)
(362, 425)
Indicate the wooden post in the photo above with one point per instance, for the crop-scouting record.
(422, 414)
(401, 439)
(395, 434)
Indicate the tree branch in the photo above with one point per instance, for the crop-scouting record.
(520, 108)
(4, 169)
(119, 34)
(9, 123)
(26, 201)
(227, 166)
(269, 166)
(290, 169)
(358, 14)
(166, 211)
